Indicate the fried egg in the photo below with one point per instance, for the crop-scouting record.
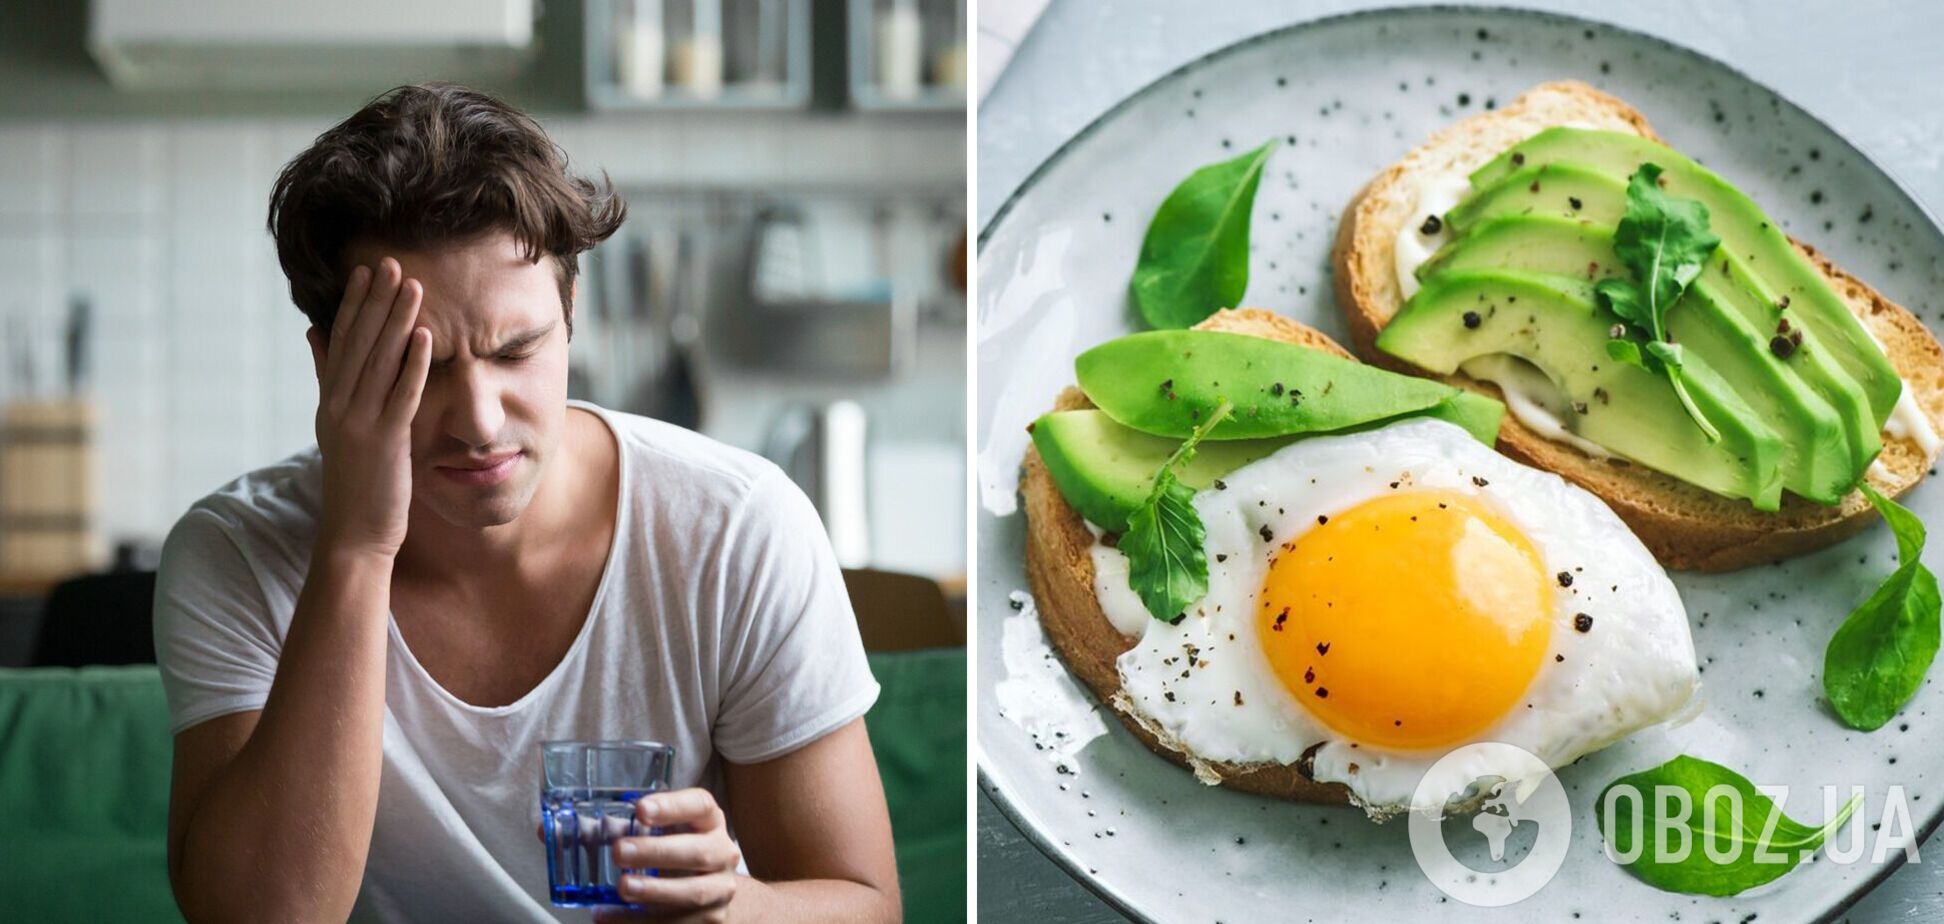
(1379, 599)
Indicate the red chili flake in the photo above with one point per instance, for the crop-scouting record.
(1309, 675)
(1281, 618)
(1782, 326)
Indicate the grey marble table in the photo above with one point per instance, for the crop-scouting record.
(1873, 70)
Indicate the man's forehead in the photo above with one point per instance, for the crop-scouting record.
(495, 253)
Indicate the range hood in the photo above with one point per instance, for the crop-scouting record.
(304, 44)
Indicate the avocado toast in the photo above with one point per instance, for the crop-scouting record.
(1060, 572)
(1505, 223)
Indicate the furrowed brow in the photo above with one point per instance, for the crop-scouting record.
(525, 339)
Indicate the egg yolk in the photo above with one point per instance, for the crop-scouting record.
(1410, 621)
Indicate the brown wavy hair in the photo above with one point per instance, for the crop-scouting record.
(427, 165)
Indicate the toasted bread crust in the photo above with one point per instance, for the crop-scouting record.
(1684, 526)
(1060, 571)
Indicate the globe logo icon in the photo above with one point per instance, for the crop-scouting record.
(1521, 790)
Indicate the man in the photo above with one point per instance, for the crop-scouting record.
(365, 644)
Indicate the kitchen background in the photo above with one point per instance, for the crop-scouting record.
(790, 279)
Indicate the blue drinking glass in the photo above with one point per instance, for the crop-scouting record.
(587, 802)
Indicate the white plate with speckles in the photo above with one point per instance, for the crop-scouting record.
(1349, 95)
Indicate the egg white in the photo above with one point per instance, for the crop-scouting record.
(1634, 668)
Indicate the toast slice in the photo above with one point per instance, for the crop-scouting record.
(1684, 526)
(1060, 571)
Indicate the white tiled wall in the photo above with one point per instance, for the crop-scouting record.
(197, 357)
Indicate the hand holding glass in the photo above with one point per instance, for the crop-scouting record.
(588, 791)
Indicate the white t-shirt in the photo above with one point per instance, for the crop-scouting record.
(721, 626)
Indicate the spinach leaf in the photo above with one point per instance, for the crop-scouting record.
(1166, 565)
(1664, 242)
(1746, 850)
(1878, 657)
(1195, 258)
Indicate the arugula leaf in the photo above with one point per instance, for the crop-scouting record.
(1166, 566)
(1665, 243)
(1751, 853)
(1195, 258)
(1878, 657)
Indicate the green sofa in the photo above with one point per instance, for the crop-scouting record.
(84, 788)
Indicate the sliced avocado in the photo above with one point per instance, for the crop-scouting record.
(1745, 231)
(1728, 280)
(1603, 199)
(1531, 243)
(1553, 323)
(1816, 459)
(1562, 190)
(1105, 470)
(1165, 382)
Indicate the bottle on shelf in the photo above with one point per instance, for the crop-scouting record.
(900, 50)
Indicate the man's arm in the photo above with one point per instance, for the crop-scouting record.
(271, 811)
(812, 825)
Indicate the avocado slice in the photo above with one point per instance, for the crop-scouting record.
(1603, 199)
(1106, 469)
(1553, 323)
(1728, 280)
(1816, 459)
(1562, 190)
(1745, 231)
(1163, 382)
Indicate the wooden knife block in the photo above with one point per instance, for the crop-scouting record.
(47, 488)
